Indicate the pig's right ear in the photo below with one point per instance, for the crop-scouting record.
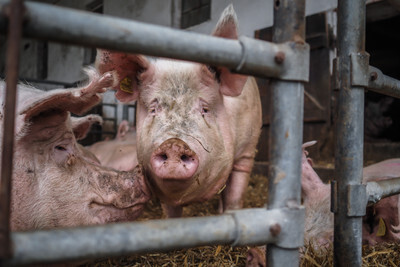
(123, 129)
(81, 126)
(130, 71)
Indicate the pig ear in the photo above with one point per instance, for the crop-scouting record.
(129, 69)
(77, 100)
(81, 126)
(227, 27)
(123, 129)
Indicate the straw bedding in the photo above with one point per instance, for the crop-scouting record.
(256, 196)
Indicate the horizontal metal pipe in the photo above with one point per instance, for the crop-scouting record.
(248, 56)
(383, 84)
(381, 189)
(241, 227)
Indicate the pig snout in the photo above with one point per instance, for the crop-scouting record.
(173, 159)
(123, 198)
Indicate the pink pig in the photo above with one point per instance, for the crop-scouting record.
(380, 224)
(118, 153)
(197, 125)
(55, 181)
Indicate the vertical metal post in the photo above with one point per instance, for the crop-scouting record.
(286, 127)
(14, 12)
(349, 134)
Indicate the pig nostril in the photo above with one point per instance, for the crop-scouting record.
(185, 158)
(164, 157)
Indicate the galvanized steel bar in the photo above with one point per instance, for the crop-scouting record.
(241, 227)
(286, 128)
(248, 56)
(383, 84)
(15, 14)
(381, 189)
(349, 134)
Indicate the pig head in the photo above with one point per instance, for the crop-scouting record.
(381, 222)
(197, 125)
(118, 153)
(55, 181)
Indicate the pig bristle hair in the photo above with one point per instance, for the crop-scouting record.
(228, 16)
(91, 72)
(93, 75)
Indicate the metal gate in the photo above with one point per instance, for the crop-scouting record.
(286, 61)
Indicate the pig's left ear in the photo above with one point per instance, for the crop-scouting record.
(227, 27)
(76, 100)
(81, 126)
(130, 70)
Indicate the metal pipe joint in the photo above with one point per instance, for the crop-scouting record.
(364, 75)
(290, 59)
(278, 226)
(380, 189)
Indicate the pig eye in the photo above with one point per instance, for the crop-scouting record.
(60, 148)
(153, 107)
(204, 110)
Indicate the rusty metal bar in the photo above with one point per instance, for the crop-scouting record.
(349, 137)
(286, 128)
(14, 12)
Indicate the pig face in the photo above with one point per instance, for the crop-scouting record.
(191, 127)
(182, 132)
(56, 182)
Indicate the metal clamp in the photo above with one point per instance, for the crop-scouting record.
(359, 69)
(356, 200)
(290, 60)
(281, 226)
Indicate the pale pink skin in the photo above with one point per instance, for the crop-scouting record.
(213, 118)
(118, 153)
(56, 182)
(319, 219)
(388, 208)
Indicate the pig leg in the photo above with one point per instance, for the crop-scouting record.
(256, 257)
(232, 195)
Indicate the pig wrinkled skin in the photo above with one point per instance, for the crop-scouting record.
(380, 224)
(197, 125)
(118, 153)
(55, 181)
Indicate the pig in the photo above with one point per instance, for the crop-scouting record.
(119, 153)
(380, 224)
(55, 181)
(197, 125)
